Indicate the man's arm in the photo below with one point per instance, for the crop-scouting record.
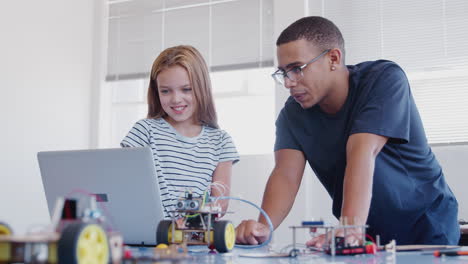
(279, 196)
(283, 185)
(361, 151)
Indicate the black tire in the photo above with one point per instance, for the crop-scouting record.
(294, 253)
(162, 233)
(67, 247)
(5, 230)
(224, 236)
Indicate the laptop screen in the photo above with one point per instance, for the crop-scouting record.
(123, 180)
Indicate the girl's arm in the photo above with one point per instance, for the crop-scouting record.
(222, 175)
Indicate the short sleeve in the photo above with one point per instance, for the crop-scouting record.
(138, 136)
(228, 151)
(285, 139)
(385, 109)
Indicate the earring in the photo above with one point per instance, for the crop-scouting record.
(333, 68)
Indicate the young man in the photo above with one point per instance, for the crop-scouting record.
(359, 129)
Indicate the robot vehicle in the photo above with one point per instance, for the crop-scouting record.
(200, 225)
(71, 240)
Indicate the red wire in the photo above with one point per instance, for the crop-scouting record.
(101, 205)
(371, 238)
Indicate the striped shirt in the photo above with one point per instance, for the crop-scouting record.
(182, 163)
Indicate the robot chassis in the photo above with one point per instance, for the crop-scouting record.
(200, 225)
(77, 240)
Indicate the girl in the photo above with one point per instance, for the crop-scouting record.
(190, 151)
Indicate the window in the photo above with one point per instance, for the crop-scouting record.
(245, 104)
(239, 53)
(427, 38)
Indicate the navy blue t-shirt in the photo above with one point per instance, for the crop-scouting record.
(411, 202)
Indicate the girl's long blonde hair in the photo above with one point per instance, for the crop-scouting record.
(192, 61)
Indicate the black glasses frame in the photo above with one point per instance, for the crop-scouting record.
(280, 75)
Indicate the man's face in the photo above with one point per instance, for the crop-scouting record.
(312, 87)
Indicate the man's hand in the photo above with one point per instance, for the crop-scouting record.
(251, 232)
(353, 238)
(280, 192)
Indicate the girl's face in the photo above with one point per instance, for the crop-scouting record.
(176, 95)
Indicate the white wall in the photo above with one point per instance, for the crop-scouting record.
(248, 182)
(454, 162)
(46, 75)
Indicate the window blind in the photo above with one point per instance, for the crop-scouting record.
(427, 38)
(230, 34)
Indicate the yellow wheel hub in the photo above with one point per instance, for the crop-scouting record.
(211, 235)
(162, 246)
(4, 230)
(178, 236)
(92, 246)
(230, 236)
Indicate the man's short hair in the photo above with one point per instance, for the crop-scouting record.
(318, 30)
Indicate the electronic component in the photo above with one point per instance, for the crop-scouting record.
(335, 235)
(343, 249)
(308, 223)
(193, 204)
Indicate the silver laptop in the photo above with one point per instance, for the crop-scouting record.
(124, 179)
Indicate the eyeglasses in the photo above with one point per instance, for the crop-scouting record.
(295, 73)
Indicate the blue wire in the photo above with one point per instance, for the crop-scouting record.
(267, 218)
